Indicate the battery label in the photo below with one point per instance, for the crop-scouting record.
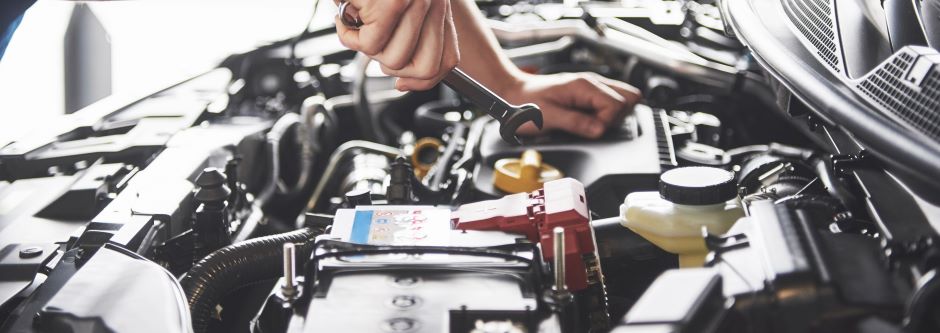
(400, 226)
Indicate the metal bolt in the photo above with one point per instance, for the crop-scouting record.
(30, 252)
(400, 324)
(559, 250)
(406, 281)
(404, 301)
(289, 288)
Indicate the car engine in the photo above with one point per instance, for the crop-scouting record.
(293, 189)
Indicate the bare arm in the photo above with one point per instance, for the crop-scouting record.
(420, 41)
(483, 58)
(582, 103)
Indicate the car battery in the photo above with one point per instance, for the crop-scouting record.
(405, 269)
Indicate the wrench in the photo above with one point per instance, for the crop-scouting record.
(510, 117)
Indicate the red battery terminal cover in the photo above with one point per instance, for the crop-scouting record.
(560, 203)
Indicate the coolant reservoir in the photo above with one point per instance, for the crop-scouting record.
(689, 199)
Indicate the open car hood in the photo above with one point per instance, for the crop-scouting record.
(847, 63)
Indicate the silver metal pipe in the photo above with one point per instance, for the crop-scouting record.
(626, 38)
(540, 49)
(289, 288)
(559, 250)
(534, 32)
(337, 158)
(629, 39)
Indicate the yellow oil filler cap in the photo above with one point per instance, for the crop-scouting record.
(524, 174)
(426, 152)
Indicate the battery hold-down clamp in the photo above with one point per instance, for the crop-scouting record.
(560, 203)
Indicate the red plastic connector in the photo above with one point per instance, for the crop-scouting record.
(560, 203)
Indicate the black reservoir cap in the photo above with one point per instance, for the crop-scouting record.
(697, 185)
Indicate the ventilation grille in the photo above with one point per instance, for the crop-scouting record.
(815, 21)
(907, 86)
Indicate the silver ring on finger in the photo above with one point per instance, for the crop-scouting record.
(350, 21)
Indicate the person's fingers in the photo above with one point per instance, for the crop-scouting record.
(606, 103)
(426, 63)
(379, 20)
(402, 45)
(450, 58)
(583, 92)
(347, 36)
(631, 94)
(568, 120)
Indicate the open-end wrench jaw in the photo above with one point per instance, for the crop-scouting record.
(520, 116)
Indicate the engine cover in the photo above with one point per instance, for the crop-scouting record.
(626, 159)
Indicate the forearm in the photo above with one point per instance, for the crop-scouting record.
(480, 54)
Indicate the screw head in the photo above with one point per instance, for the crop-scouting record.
(404, 301)
(405, 281)
(400, 324)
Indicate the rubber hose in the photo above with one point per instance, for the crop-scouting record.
(308, 130)
(235, 265)
(273, 138)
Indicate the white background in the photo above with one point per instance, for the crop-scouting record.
(154, 43)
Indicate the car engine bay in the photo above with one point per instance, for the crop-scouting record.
(293, 189)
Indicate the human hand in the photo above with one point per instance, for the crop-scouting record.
(584, 104)
(414, 40)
